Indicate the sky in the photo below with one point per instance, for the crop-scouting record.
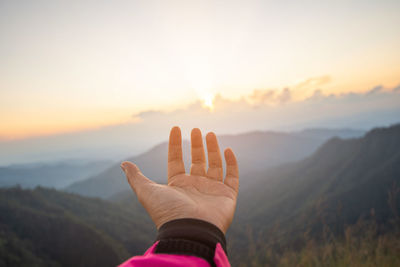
(72, 67)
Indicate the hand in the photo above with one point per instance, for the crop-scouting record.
(200, 194)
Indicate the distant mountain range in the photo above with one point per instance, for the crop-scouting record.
(343, 181)
(339, 183)
(56, 175)
(256, 151)
(336, 185)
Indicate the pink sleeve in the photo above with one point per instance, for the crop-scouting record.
(151, 259)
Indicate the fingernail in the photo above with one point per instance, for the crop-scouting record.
(123, 168)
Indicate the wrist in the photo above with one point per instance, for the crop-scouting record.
(222, 227)
(190, 237)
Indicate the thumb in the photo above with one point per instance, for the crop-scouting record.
(136, 179)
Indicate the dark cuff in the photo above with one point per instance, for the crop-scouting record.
(190, 237)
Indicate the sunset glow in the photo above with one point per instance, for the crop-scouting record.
(208, 102)
(69, 67)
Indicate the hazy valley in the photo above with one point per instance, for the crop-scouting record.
(329, 184)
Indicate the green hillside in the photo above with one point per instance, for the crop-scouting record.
(45, 227)
(343, 181)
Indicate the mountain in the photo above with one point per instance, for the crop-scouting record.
(345, 181)
(255, 151)
(44, 227)
(57, 175)
(339, 183)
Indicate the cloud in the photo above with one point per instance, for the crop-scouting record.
(262, 96)
(313, 82)
(375, 90)
(145, 114)
(270, 97)
(285, 96)
(296, 92)
(261, 110)
(317, 95)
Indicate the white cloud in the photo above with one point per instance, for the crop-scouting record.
(261, 110)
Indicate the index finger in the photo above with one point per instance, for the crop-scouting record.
(175, 161)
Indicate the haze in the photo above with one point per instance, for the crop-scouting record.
(95, 75)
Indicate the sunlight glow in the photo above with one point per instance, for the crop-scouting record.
(62, 70)
(208, 101)
(206, 97)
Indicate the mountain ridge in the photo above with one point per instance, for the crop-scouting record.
(254, 150)
(356, 173)
(57, 175)
(343, 181)
(57, 228)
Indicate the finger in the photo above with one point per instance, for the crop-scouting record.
(139, 182)
(215, 170)
(198, 157)
(175, 161)
(232, 170)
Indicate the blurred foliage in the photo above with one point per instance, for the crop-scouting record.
(362, 244)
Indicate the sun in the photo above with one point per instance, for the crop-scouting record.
(206, 98)
(208, 101)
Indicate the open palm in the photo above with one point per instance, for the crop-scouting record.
(201, 194)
